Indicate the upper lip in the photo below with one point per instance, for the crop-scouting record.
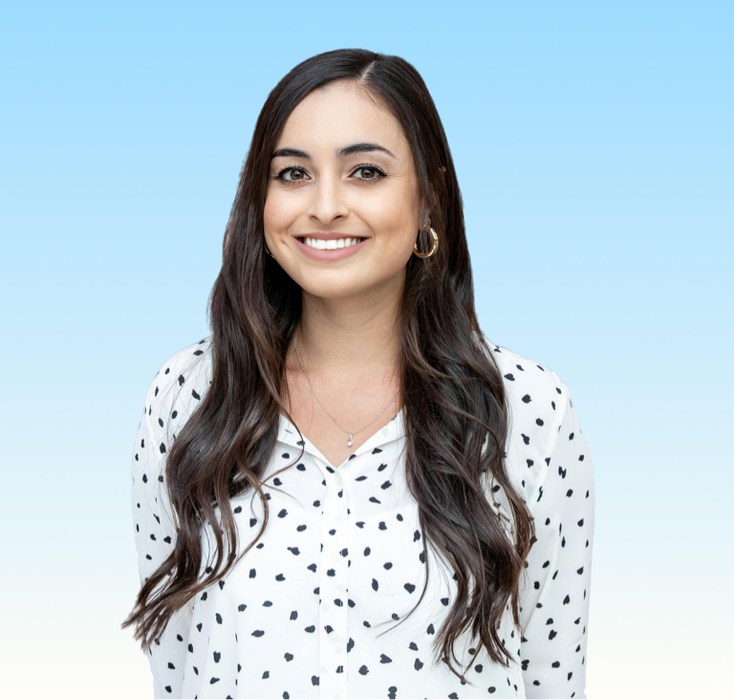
(328, 236)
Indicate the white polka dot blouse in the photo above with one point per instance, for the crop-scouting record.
(319, 608)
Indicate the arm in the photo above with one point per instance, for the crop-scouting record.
(554, 594)
(155, 531)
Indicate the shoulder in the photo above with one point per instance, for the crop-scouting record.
(180, 382)
(544, 437)
(537, 401)
(531, 387)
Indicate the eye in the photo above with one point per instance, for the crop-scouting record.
(368, 172)
(292, 174)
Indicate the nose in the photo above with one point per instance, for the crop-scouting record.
(328, 200)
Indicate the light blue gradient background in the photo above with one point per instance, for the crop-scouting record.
(594, 148)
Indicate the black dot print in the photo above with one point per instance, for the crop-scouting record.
(324, 599)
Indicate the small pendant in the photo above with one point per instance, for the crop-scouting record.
(350, 440)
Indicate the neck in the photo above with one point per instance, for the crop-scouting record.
(351, 335)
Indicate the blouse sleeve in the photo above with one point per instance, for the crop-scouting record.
(554, 598)
(155, 531)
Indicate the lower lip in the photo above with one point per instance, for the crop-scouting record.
(330, 255)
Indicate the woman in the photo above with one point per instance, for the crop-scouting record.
(347, 491)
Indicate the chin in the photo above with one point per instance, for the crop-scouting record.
(348, 284)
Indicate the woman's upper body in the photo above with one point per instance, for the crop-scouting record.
(340, 563)
(345, 492)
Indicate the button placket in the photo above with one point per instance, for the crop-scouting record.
(334, 590)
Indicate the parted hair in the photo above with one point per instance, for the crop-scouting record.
(452, 392)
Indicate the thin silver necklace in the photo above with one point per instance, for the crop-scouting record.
(350, 433)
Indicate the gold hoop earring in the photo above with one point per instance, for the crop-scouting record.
(434, 244)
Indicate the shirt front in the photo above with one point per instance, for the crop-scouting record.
(325, 605)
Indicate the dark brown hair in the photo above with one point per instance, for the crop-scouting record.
(452, 392)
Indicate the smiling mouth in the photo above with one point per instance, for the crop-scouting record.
(331, 244)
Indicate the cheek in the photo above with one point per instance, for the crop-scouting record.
(276, 215)
(403, 219)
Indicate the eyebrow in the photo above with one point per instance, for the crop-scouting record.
(343, 152)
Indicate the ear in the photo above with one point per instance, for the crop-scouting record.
(425, 220)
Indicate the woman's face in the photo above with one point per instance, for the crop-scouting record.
(343, 207)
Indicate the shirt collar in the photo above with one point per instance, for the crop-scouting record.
(390, 432)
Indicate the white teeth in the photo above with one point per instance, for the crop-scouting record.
(333, 244)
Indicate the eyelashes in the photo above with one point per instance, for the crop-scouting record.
(366, 172)
(375, 173)
(291, 175)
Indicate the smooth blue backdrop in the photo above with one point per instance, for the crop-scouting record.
(594, 148)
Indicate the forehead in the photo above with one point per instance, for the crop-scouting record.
(341, 113)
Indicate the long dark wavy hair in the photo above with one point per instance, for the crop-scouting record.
(452, 393)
